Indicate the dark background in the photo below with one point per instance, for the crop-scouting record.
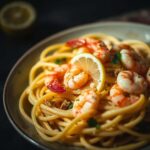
(52, 16)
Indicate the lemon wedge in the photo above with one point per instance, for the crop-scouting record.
(92, 66)
(17, 16)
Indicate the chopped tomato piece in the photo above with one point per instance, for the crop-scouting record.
(55, 86)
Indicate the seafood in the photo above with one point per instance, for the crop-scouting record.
(87, 102)
(96, 47)
(101, 51)
(131, 82)
(132, 61)
(54, 80)
(62, 69)
(148, 76)
(119, 98)
(75, 78)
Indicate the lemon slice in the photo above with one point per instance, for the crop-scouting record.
(17, 16)
(93, 66)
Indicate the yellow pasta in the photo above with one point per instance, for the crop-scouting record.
(90, 92)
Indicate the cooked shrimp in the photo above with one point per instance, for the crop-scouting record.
(87, 102)
(75, 78)
(97, 47)
(119, 98)
(62, 69)
(148, 75)
(132, 61)
(82, 50)
(54, 80)
(131, 82)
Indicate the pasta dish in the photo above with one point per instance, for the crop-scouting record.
(92, 92)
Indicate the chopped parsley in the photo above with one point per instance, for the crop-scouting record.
(93, 123)
(77, 99)
(117, 57)
(98, 126)
(60, 61)
(70, 106)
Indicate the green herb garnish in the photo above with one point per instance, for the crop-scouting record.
(116, 58)
(93, 123)
(70, 106)
(98, 126)
(60, 61)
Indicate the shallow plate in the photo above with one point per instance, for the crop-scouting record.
(18, 77)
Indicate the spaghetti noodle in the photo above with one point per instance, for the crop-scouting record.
(91, 91)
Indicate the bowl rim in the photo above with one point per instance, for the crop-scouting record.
(34, 47)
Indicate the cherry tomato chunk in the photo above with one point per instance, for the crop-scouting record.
(55, 86)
